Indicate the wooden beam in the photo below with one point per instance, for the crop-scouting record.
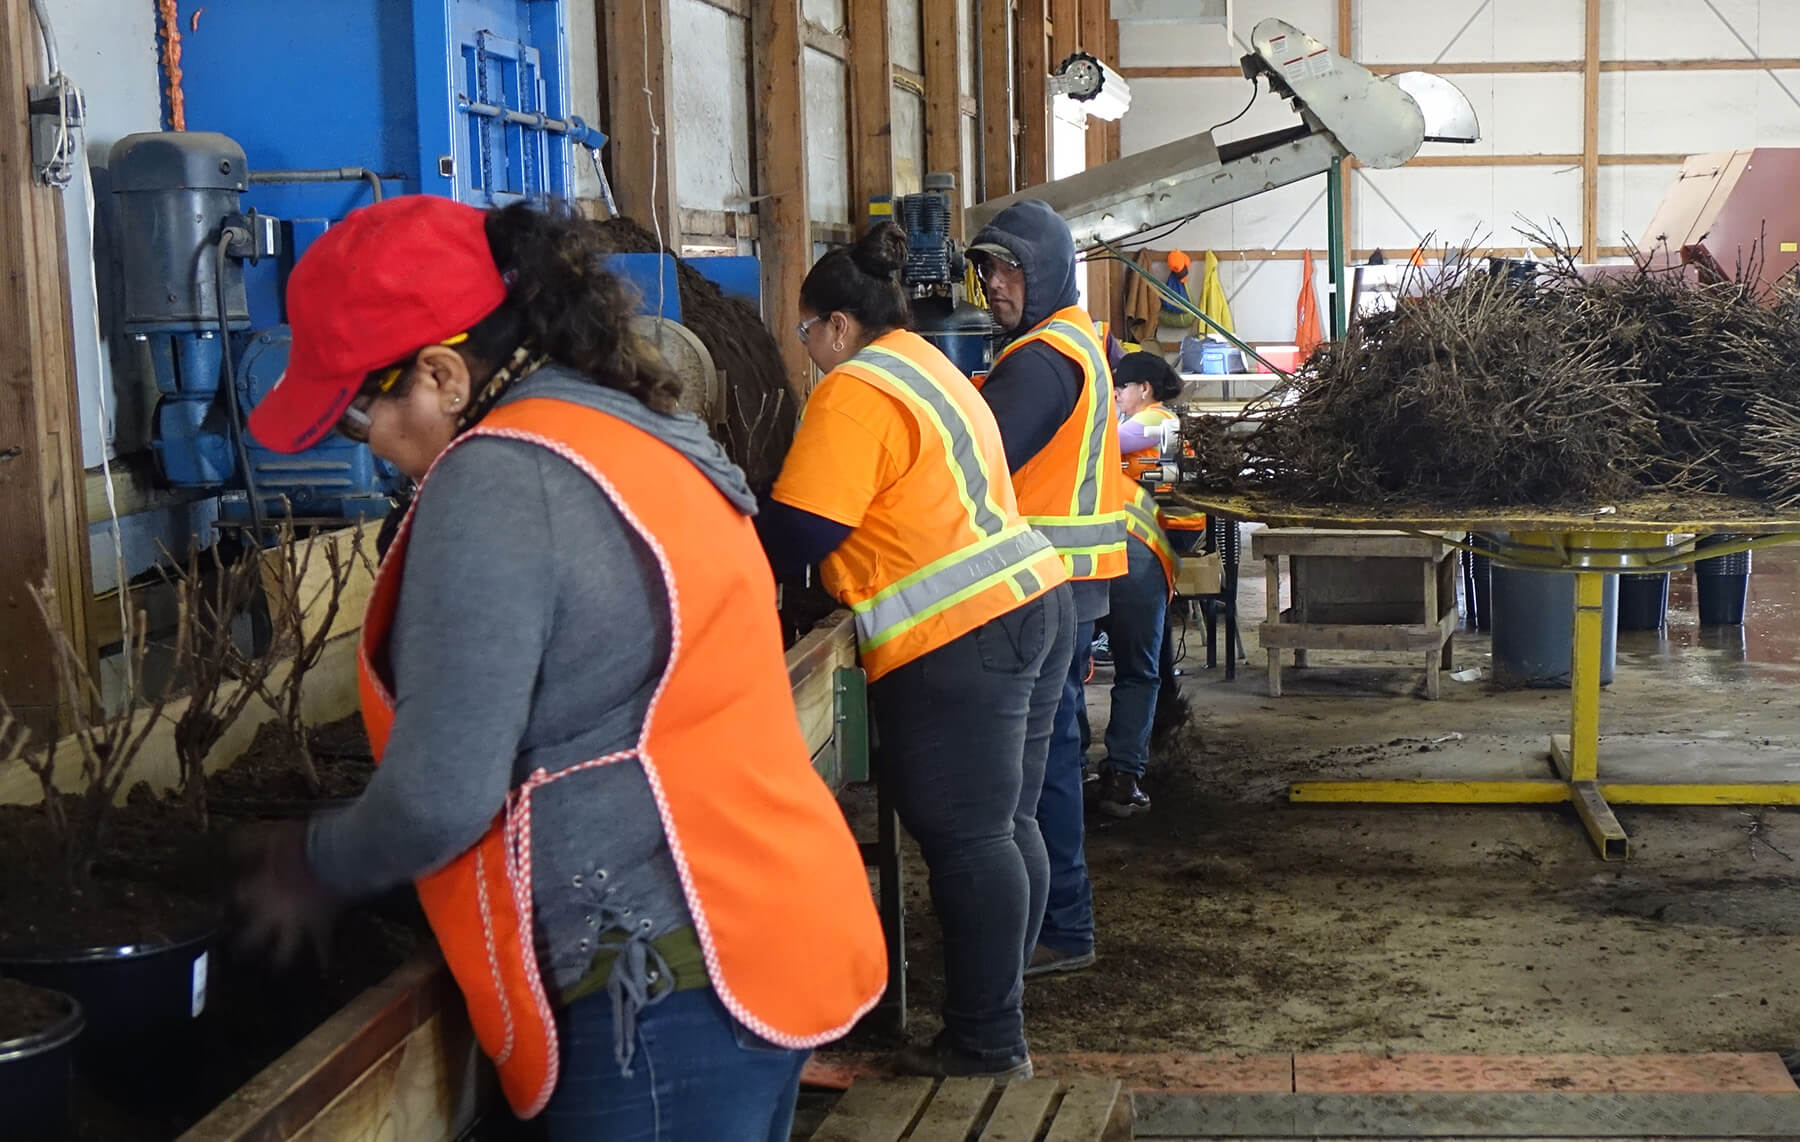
(822, 39)
(778, 45)
(1497, 67)
(968, 106)
(943, 98)
(1102, 273)
(871, 106)
(1114, 149)
(996, 124)
(43, 505)
(639, 58)
(907, 79)
(1032, 53)
(1590, 135)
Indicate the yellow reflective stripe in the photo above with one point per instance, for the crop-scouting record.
(974, 486)
(942, 584)
(1093, 441)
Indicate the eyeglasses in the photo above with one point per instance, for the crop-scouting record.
(354, 423)
(805, 327)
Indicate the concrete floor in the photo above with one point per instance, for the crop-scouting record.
(1231, 920)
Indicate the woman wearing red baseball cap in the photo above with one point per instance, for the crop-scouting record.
(572, 674)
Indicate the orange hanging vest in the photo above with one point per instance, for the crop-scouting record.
(771, 874)
(1072, 491)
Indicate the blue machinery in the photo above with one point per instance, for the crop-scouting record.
(934, 273)
(300, 114)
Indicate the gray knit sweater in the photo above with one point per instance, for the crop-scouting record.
(532, 629)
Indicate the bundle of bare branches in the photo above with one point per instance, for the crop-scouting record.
(1572, 388)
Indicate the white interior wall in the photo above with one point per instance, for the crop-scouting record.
(711, 109)
(827, 137)
(906, 34)
(1645, 112)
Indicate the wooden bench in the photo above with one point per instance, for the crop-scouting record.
(967, 1110)
(1358, 590)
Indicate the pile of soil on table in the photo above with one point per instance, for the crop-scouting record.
(27, 1010)
(157, 878)
(266, 772)
(759, 414)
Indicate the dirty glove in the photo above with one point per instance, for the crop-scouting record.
(282, 904)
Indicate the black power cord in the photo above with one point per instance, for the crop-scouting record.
(239, 425)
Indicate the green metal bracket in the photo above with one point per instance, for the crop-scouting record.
(850, 713)
(1337, 254)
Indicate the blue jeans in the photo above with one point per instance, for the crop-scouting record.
(964, 732)
(1140, 604)
(1069, 913)
(696, 1073)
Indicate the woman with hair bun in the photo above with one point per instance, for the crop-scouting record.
(897, 482)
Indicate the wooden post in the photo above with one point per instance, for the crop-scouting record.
(996, 124)
(1590, 136)
(784, 228)
(1034, 92)
(43, 507)
(1065, 29)
(943, 98)
(641, 148)
(1103, 273)
(871, 107)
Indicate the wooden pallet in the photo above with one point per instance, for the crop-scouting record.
(979, 1110)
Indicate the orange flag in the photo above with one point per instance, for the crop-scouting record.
(1306, 314)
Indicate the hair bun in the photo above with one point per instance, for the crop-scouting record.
(881, 252)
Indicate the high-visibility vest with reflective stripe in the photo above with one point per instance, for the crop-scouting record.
(1145, 460)
(950, 549)
(1143, 522)
(1072, 490)
(768, 868)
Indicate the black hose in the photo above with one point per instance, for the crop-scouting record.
(239, 425)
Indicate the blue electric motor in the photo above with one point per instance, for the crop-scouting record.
(177, 194)
(934, 271)
(174, 191)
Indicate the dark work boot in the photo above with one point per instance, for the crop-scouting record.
(1120, 795)
(1046, 959)
(942, 1059)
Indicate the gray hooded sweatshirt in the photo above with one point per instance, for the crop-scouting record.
(532, 630)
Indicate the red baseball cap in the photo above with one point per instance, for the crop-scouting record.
(382, 284)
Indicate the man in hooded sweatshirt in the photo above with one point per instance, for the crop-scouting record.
(1051, 393)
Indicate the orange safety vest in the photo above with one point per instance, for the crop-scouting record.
(1073, 491)
(1143, 522)
(944, 549)
(1145, 460)
(772, 876)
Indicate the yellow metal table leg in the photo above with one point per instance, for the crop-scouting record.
(1584, 680)
(1578, 755)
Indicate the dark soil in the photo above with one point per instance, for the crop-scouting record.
(759, 413)
(268, 771)
(27, 1010)
(157, 879)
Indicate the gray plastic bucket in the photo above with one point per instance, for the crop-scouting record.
(1534, 627)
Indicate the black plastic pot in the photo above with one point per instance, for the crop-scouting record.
(142, 1002)
(1721, 584)
(37, 1076)
(1643, 602)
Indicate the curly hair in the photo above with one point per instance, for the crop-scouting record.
(563, 301)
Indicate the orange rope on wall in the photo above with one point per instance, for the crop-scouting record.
(171, 60)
